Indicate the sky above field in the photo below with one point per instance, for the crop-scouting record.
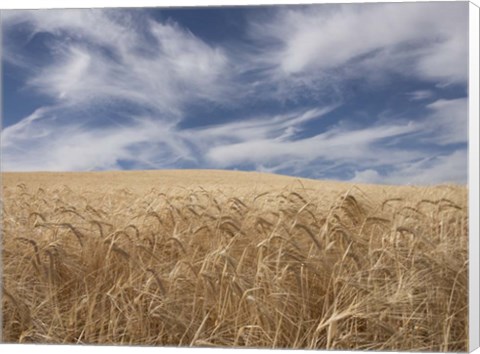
(358, 92)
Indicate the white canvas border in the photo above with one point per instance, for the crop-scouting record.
(474, 153)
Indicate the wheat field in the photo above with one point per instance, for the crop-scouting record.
(233, 259)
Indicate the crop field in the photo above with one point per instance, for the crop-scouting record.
(233, 259)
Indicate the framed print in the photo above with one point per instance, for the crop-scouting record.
(249, 176)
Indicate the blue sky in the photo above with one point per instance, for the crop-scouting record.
(358, 92)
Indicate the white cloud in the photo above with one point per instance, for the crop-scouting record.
(448, 121)
(367, 41)
(193, 61)
(368, 176)
(23, 129)
(104, 55)
(334, 145)
(112, 28)
(277, 127)
(420, 95)
(71, 78)
(103, 59)
(448, 168)
(32, 145)
(255, 143)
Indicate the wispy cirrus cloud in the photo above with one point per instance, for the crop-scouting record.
(348, 145)
(127, 89)
(104, 61)
(105, 54)
(322, 47)
(448, 122)
(378, 146)
(419, 95)
(33, 145)
(446, 168)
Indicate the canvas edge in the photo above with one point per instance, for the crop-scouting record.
(473, 177)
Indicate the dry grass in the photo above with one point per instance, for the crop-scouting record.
(301, 264)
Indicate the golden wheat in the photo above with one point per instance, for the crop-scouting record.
(296, 266)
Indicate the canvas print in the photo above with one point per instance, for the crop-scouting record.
(236, 177)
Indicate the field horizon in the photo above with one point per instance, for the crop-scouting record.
(204, 175)
(233, 259)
